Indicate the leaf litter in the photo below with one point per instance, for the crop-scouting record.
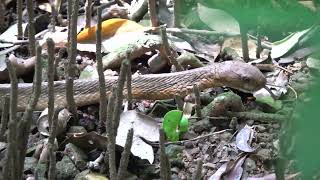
(220, 150)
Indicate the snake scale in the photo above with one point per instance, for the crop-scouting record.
(234, 74)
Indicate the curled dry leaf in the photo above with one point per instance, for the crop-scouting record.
(236, 170)
(243, 139)
(143, 126)
(43, 123)
(21, 66)
(230, 170)
(218, 174)
(88, 141)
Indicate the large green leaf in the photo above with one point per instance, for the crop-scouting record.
(218, 20)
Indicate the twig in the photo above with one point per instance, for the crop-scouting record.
(282, 68)
(145, 43)
(259, 47)
(294, 91)
(12, 151)
(88, 12)
(25, 123)
(125, 156)
(69, 10)
(177, 5)
(244, 42)
(53, 16)
(194, 31)
(164, 162)
(52, 137)
(199, 137)
(129, 88)
(197, 100)
(167, 51)
(52, 114)
(111, 135)
(51, 71)
(31, 30)
(72, 61)
(4, 117)
(102, 81)
(19, 17)
(110, 109)
(198, 174)
(153, 13)
(119, 95)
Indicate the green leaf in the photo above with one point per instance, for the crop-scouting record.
(275, 104)
(282, 47)
(223, 22)
(175, 123)
(184, 124)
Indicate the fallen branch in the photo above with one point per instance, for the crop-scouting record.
(199, 137)
(131, 51)
(257, 116)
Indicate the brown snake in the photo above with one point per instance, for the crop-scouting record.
(234, 74)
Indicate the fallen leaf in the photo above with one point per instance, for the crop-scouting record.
(10, 35)
(143, 126)
(283, 46)
(88, 141)
(22, 66)
(218, 174)
(230, 170)
(235, 173)
(236, 44)
(268, 100)
(243, 139)
(110, 28)
(59, 37)
(298, 54)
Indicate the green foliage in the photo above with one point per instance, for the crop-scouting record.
(305, 130)
(273, 17)
(174, 124)
(275, 104)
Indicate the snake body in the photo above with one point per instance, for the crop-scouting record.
(234, 74)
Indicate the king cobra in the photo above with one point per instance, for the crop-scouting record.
(234, 74)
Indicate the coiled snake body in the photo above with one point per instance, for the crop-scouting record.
(234, 74)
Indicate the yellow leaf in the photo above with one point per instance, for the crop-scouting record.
(110, 28)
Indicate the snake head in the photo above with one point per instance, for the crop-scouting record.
(241, 76)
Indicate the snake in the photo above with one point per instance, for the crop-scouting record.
(234, 74)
